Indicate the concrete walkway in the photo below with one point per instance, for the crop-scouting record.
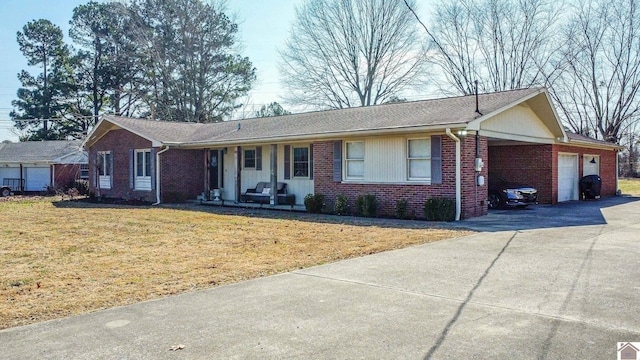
(548, 292)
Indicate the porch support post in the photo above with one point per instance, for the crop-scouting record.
(21, 179)
(238, 172)
(274, 174)
(207, 189)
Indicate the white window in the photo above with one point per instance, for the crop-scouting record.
(250, 158)
(354, 159)
(142, 168)
(419, 159)
(104, 169)
(84, 171)
(300, 162)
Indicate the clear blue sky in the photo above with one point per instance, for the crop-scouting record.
(263, 28)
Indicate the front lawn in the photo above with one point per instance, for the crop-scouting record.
(64, 258)
(629, 186)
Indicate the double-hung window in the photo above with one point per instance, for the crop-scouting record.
(249, 158)
(419, 159)
(84, 171)
(354, 159)
(104, 163)
(143, 169)
(300, 162)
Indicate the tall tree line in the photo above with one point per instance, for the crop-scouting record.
(587, 53)
(172, 59)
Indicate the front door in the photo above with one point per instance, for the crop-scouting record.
(216, 180)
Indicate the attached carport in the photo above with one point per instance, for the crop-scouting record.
(528, 145)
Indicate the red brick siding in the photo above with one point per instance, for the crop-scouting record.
(473, 203)
(182, 173)
(607, 165)
(537, 166)
(416, 195)
(529, 165)
(119, 142)
(66, 174)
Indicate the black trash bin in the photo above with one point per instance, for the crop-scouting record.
(590, 186)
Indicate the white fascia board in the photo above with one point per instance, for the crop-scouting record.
(475, 124)
(591, 145)
(106, 118)
(325, 136)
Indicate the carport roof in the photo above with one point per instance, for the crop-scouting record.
(585, 140)
(39, 151)
(454, 112)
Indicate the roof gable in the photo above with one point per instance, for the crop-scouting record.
(530, 118)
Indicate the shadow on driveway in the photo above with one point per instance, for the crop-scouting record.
(571, 213)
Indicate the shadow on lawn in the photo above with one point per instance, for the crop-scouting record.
(572, 213)
(275, 214)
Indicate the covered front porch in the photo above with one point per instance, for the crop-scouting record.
(259, 175)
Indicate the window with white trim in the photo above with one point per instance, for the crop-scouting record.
(142, 168)
(249, 158)
(104, 162)
(354, 159)
(419, 159)
(300, 162)
(84, 171)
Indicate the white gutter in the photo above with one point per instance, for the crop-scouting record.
(158, 175)
(458, 175)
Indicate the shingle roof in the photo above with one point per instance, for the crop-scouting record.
(581, 138)
(437, 112)
(38, 151)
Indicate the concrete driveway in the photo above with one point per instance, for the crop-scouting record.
(548, 292)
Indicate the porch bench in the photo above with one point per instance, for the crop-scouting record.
(259, 195)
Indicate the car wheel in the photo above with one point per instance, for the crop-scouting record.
(5, 192)
(495, 202)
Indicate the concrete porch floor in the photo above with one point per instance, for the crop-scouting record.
(252, 205)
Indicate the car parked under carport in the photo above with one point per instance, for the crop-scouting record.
(503, 194)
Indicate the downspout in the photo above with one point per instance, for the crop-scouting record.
(458, 175)
(158, 175)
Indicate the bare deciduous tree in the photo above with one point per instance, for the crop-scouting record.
(501, 43)
(597, 91)
(345, 53)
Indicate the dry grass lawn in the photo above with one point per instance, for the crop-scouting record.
(65, 258)
(629, 186)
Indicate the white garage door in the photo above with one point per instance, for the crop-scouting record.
(36, 178)
(567, 177)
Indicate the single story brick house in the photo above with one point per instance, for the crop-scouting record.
(33, 166)
(413, 151)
